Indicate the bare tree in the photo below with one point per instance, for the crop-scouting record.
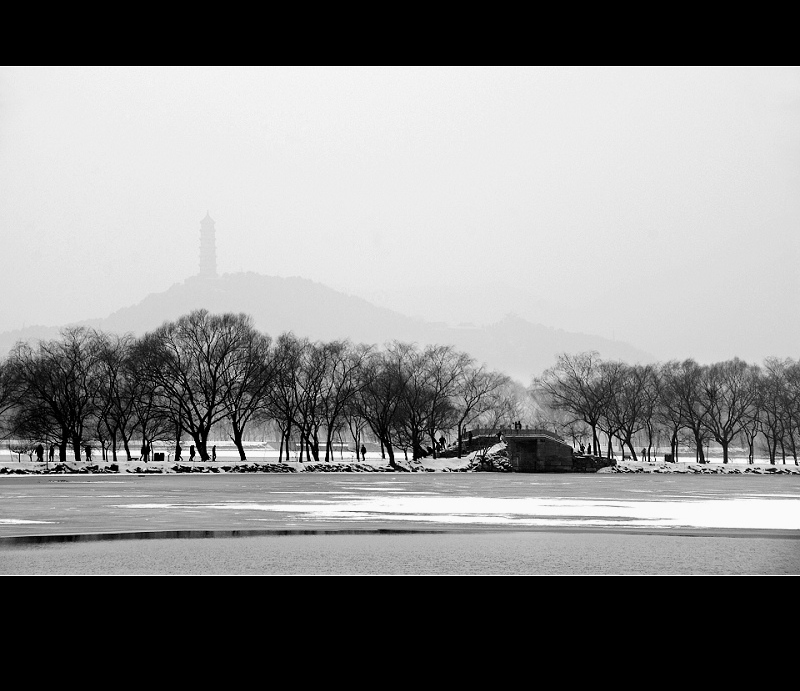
(576, 384)
(246, 379)
(155, 416)
(428, 379)
(189, 362)
(607, 382)
(477, 391)
(728, 390)
(791, 411)
(283, 397)
(773, 397)
(629, 400)
(342, 381)
(669, 405)
(751, 425)
(8, 396)
(309, 385)
(58, 387)
(117, 412)
(380, 399)
(651, 392)
(682, 386)
(444, 369)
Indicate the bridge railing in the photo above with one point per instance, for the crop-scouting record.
(511, 432)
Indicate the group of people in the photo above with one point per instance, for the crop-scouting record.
(40, 452)
(179, 451)
(144, 456)
(87, 449)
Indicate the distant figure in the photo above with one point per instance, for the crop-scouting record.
(52, 452)
(145, 452)
(644, 453)
(178, 452)
(191, 452)
(214, 453)
(40, 453)
(363, 453)
(583, 448)
(442, 442)
(88, 450)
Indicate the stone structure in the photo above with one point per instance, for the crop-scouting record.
(208, 248)
(538, 451)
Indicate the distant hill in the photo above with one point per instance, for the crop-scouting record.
(512, 345)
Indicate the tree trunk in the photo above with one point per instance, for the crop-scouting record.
(415, 445)
(387, 446)
(698, 441)
(76, 447)
(126, 444)
(236, 438)
(200, 438)
(357, 442)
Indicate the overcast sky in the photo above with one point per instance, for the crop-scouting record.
(660, 206)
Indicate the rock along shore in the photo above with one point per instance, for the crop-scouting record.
(153, 469)
(493, 460)
(706, 469)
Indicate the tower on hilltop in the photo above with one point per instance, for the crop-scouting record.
(208, 249)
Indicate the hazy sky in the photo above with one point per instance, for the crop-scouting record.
(660, 206)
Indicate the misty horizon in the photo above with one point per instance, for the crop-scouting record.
(654, 206)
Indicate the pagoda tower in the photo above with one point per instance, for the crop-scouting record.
(208, 249)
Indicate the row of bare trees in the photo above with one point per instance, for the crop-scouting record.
(192, 376)
(680, 400)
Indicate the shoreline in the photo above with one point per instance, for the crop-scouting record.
(492, 459)
(7, 541)
(468, 463)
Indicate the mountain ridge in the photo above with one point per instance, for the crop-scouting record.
(513, 345)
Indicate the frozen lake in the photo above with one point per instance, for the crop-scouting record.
(403, 523)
